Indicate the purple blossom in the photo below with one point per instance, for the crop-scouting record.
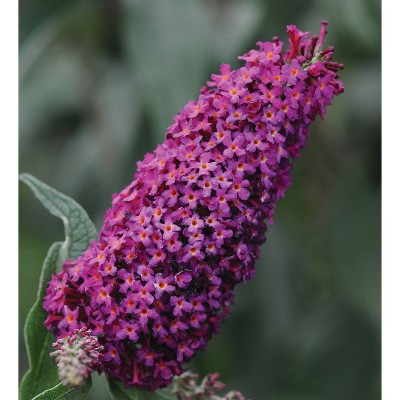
(183, 279)
(109, 267)
(177, 325)
(180, 305)
(112, 355)
(158, 283)
(70, 320)
(163, 285)
(128, 329)
(184, 351)
(159, 329)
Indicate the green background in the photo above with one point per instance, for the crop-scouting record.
(99, 83)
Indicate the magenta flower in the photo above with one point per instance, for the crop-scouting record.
(128, 329)
(158, 283)
(112, 356)
(162, 285)
(70, 320)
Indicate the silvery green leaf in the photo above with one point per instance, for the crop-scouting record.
(61, 392)
(43, 371)
(79, 229)
(118, 392)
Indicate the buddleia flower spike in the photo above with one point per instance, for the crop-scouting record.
(159, 281)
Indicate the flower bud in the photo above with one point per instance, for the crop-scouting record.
(186, 387)
(77, 355)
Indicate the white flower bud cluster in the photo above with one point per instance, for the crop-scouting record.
(77, 355)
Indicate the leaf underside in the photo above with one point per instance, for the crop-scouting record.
(61, 392)
(79, 229)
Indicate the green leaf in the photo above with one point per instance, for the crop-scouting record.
(79, 229)
(166, 394)
(61, 392)
(43, 371)
(118, 392)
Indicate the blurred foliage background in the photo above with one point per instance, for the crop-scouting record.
(99, 83)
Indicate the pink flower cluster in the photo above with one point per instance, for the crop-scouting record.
(186, 387)
(158, 283)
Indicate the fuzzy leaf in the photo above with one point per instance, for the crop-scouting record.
(61, 392)
(43, 371)
(79, 229)
(118, 392)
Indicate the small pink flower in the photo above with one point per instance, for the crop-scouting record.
(163, 284)
(128, 329)
(70, 319)
(180, 305)
(184, 351)
(183, 279)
